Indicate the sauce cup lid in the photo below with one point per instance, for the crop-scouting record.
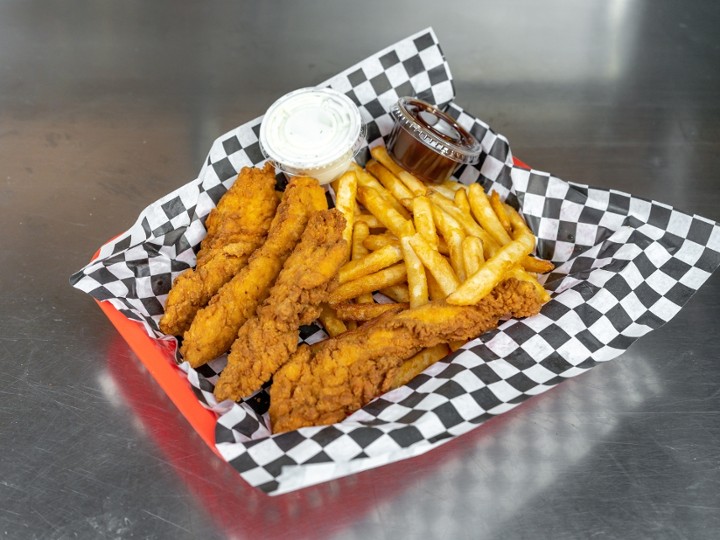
(436, 130)
(310, 129)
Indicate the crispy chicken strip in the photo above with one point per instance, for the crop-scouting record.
(266, 341)
(235, 228)
(216, 326)
(250, 200)
(347, 372)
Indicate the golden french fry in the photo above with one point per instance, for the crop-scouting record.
(483, 212)
(360, 234)
(399, 293)
(500, 212)
(434, 290)
(380, 153)
(377, 241)
(455, 345)
(531, 264)
(539, 266)
(442, 247)
(518, 224)
(382, 210)
(393, 275)
(490, 245)
(391, 182)
(472, 254)
(371, 221)
(367, 180)
(436, 264)
(370, 263)
(461, 201)
(452, 185)
(364, 312)
(415, 365)
(345, 193)
(477, 286)
(331, 323)
(423, 219)
(453, 235)
(417, 282)
(445, 191)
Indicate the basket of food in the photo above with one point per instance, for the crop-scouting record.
(367, 272)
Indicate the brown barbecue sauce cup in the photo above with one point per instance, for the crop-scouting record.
(429, 143)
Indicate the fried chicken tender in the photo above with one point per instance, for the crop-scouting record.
(266, 341)
(216, 326)
(347, 372)
(235, 228)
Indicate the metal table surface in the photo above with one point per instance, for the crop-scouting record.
(106, 106)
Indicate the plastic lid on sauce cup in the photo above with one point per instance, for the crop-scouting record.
(428, 142)
(312, 132)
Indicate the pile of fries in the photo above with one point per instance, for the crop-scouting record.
(416, 243)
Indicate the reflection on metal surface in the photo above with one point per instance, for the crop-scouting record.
(523, 454)
(478, 481)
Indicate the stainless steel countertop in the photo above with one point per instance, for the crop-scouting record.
(106, 106)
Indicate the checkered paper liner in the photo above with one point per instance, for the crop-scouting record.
(624, 266)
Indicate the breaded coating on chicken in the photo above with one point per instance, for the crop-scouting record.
(347, 372)
(216, 326)
(235, 228)
(266, 341)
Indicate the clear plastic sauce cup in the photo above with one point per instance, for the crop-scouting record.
(429, 143)
(312, 132)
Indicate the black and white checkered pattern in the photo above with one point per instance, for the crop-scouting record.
(625, 266)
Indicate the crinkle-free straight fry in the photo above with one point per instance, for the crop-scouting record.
(378, 207)
(370, 263)
(499, 209)
(436, 264)
(360, 232)
(371, 221)
(365, 179)
(445, 191)
(466, 222)
(453, 235)
(417, 282)
(392, 275)
(358, 251)
(461, 201)
(411, 182)
(482, 208)
(391, 182)
(398, 293)
(415, 365)
(424, 221)
(345, 195)
(434, 290)
(483, 212)
(329, 320)
(538, 266)
(374, 242)
(472, 254)
(480, 284)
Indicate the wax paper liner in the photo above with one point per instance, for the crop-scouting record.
(624, 266)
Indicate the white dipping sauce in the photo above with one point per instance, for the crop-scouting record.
(313, 132)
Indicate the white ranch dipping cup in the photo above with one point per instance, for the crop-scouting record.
(312, 132)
